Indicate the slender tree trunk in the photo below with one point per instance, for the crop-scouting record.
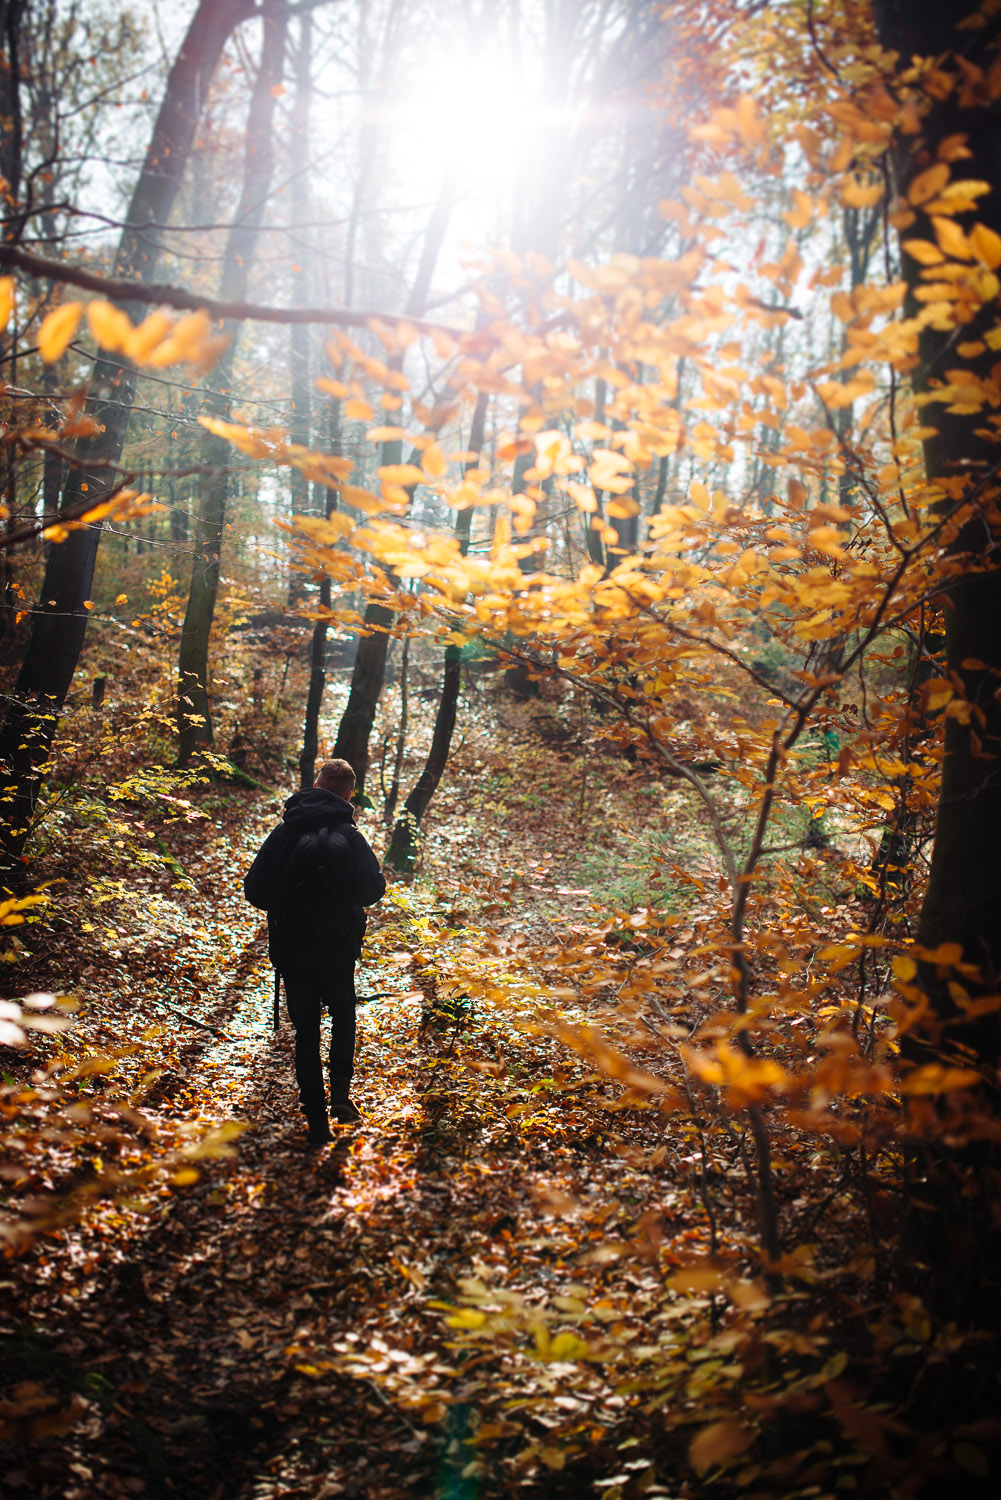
(59, 623)
(194, 710)
(403, 845)
(318, 645)
(299, 337)
(393, 796)
(369, 673)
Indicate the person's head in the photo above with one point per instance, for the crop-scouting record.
(336, 776)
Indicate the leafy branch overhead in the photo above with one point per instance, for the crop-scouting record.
(585, 421)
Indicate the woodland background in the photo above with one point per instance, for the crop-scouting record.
(582, 415)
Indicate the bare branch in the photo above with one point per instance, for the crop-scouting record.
(162, 295)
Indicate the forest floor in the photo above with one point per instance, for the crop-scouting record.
(271, 1321)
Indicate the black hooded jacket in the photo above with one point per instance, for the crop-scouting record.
(316, 919)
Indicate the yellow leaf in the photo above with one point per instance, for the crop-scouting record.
(935, 694)
(946, 954)
(142, 340)
(695, 1280)
(699, 495)
(717, 1443)
(6, 300)
(924, 252)
(800, 216)
(928, 184)
(623, 508)
(750, 126)
(57, 330)
(109, 326)
(567, 1346)
(467, 1317)
(986, 245)
(331, 387)
(951, 238)
(433, 461)
(583, 496)
(936, 1078)
(857, 194)
(358, 410)
(904, 968)
(401, 474)
(189, 332)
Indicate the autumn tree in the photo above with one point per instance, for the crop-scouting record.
(59, 622)
(194, 713)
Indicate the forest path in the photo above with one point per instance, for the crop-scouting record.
(272, 1331)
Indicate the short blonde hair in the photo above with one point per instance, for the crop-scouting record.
(336, 776)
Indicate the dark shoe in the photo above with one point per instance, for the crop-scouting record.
(318, 1133)
(345, 1113)
(342, 1111)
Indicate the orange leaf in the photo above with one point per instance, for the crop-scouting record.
(109, 326)
(142, 340)
(986, 245)
(951, 238)
(717, 1443)
(401, 474)
(699, 495)
(935, 694)
(433, 461)
(928, 184)
(57, 330)
(924, 252)
(6, 300)
(860, 194)
(936, 1078)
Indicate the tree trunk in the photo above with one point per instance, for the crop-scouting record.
(403, 845)
(194, 710)
(369, 673)
(318, 645)
(59, 623)
(300, 383)
(952, 1229)
(963, 899)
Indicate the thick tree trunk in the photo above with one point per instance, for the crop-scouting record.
(59, 623)
(963, 900)
(952, 1228)
(194, 710)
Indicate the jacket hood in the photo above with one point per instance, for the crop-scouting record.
(316, 808)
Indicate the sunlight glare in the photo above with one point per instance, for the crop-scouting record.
(476, 116)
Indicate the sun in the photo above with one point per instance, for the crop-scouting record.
(476, 116)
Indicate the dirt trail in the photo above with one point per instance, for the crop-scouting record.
(272, 1330)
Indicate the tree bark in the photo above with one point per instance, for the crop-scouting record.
(194, 710)
(963, 899)
(318, 645)
(403, 845)
(299, 336)
(59, 624)
(951, 1226)
(369, 673)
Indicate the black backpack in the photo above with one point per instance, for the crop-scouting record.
(314, 915)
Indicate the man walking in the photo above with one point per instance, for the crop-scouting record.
(314, 875)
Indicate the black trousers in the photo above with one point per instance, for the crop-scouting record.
(306, 998)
